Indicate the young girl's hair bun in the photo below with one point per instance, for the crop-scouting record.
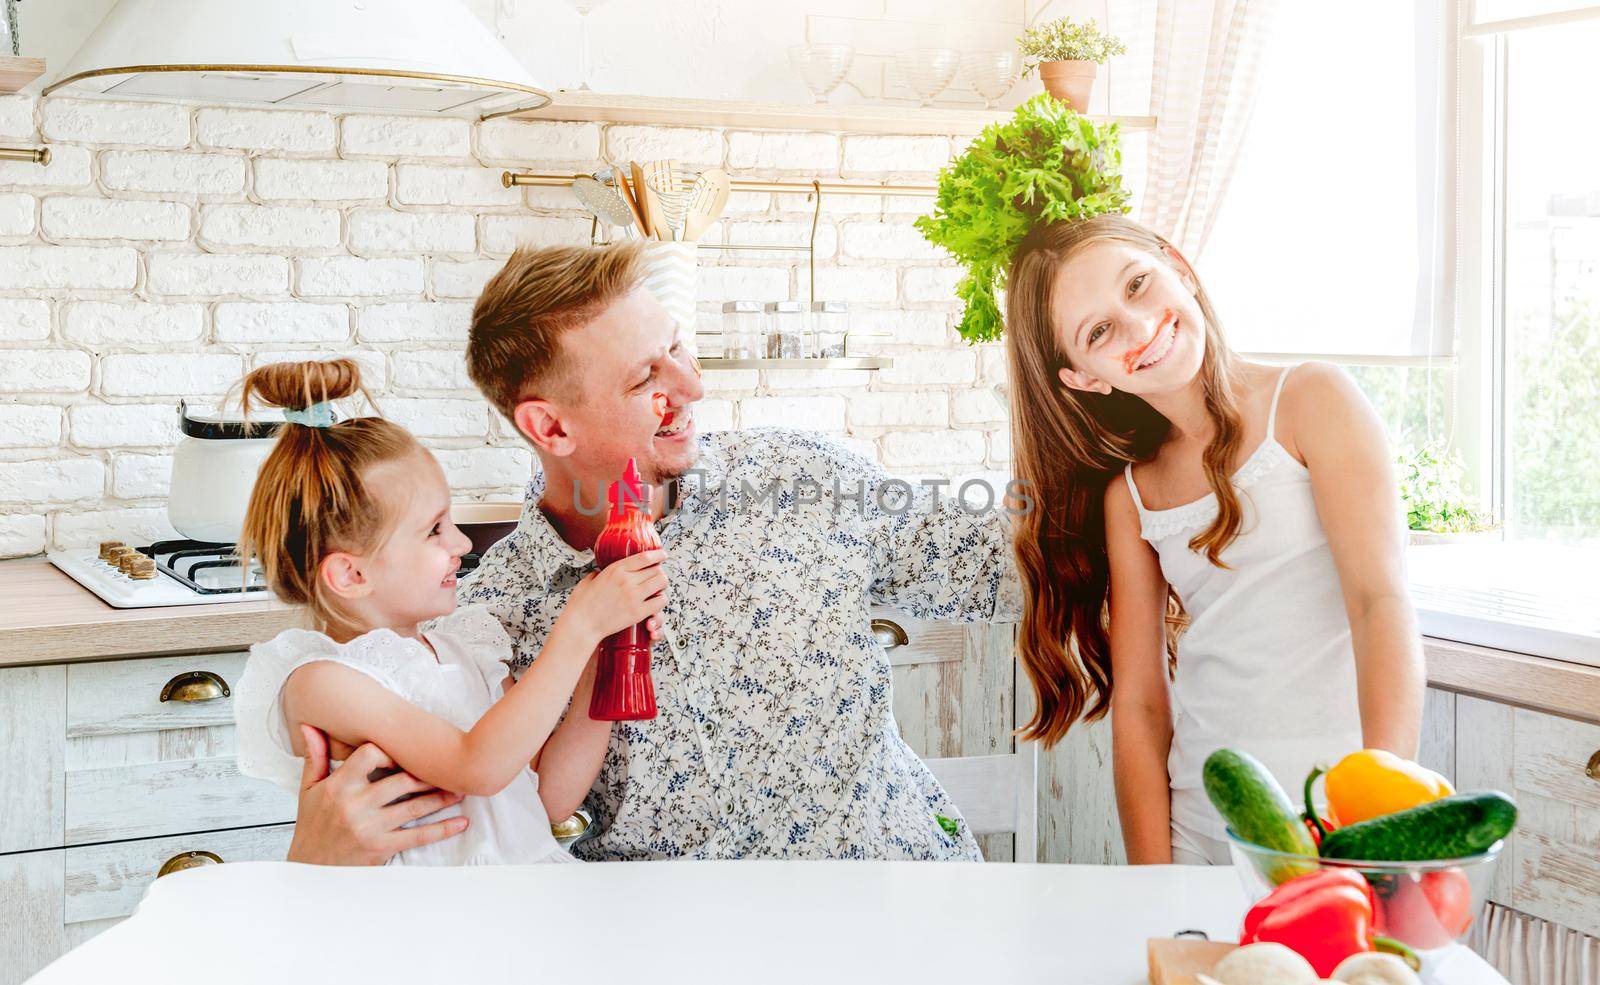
(311, 495)
(296, 386)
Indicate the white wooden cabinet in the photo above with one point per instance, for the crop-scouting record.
(102, 783)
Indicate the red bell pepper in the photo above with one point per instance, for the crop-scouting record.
(1325, 916)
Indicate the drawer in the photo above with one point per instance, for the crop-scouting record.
(1553, 757)
(125, 696)
(917, 641)
(107, 881)
(147, 800)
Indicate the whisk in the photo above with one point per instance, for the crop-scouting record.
(673, 188)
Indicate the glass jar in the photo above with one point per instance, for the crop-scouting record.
(786, 330)
(742, 337)
(830, 325)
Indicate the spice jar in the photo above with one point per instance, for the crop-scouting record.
(742, 336)
(830, 324)
(786, 330)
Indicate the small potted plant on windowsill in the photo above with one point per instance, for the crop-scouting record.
(1068, 56)
(1437, 510)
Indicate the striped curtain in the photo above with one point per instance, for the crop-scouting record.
(1530, 951)
(1208, 56)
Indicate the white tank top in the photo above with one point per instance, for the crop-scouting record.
(1266, 665)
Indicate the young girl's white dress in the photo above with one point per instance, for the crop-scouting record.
(510, 827)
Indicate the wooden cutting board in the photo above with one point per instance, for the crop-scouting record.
(1177, 960)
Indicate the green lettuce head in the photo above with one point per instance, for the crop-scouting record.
(1046, 164)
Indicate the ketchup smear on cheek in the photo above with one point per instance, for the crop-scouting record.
(658, 403)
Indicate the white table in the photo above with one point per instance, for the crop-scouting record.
(702, 922)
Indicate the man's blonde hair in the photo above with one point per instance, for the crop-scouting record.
(514, 347)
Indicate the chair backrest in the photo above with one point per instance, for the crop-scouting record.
(997, 794)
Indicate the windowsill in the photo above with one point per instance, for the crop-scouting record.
(1534, 598)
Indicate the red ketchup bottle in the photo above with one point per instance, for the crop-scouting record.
(623, 691)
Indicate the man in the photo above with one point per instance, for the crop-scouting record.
(775, 736)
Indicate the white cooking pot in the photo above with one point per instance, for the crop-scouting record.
(213, 470)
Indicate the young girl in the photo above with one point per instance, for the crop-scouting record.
(1230, 526)
(352, 520)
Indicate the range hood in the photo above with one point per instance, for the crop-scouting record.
(427, 57)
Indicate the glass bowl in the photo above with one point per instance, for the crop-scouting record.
(927, 71)
(821, 66)
(1424, 905)
(991, 74)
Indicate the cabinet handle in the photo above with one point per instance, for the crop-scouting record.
(188, 860)
(195, 685)
(1594, 766)
(889, 633)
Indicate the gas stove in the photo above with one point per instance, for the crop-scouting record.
(188, 572)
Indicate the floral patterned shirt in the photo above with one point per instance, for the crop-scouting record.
(775, 736)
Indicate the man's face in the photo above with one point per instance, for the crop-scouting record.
(615, 365)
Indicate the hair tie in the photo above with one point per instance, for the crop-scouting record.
(319, 415)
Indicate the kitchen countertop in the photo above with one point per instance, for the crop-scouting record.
(46, 617)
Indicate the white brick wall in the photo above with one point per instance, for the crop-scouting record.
(269, 227)
(266, 130)
(210, 275)
(384, 136)
(321, 181)
(140, 323)
(289, 322)
(97, 218)
(172, 172)
(167, 249)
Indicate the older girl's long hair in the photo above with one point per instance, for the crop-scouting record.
(1067, 445)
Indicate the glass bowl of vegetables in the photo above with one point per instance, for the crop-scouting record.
(1425, 905)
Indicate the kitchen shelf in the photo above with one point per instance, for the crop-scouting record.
(848, 362)
(590, 107)
(16, 73)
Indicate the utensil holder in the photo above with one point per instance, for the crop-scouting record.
(672, 274)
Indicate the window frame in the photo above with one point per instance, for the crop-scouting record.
(1481, 406)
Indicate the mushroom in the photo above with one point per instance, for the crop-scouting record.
(1375, 968)
(1264, 963)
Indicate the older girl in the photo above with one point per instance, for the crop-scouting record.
(1218, 539)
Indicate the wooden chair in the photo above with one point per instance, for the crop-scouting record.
(997, 794)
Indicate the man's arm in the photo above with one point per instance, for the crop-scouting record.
(348, 819)
(936, 556)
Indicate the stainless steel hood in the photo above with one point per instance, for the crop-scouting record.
(428, 57)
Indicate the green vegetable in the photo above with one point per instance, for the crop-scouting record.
(1046, 164)
(1250, 799)
(1452, 827)
(950, 827)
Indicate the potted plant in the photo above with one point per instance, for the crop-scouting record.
(1067, 56)
(1046, 163)
(1438, 511)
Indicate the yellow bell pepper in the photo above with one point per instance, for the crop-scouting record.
(1373, 782)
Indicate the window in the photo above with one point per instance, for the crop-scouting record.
(1543, 330)
(1325, 243)
(1550, 284)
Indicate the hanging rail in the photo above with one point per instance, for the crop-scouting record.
(512, 179)
(37, 155)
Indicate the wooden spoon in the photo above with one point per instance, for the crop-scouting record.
(648, 203)
(706, 202)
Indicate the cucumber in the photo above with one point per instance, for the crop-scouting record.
(1253, 803)
(1457, 826)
